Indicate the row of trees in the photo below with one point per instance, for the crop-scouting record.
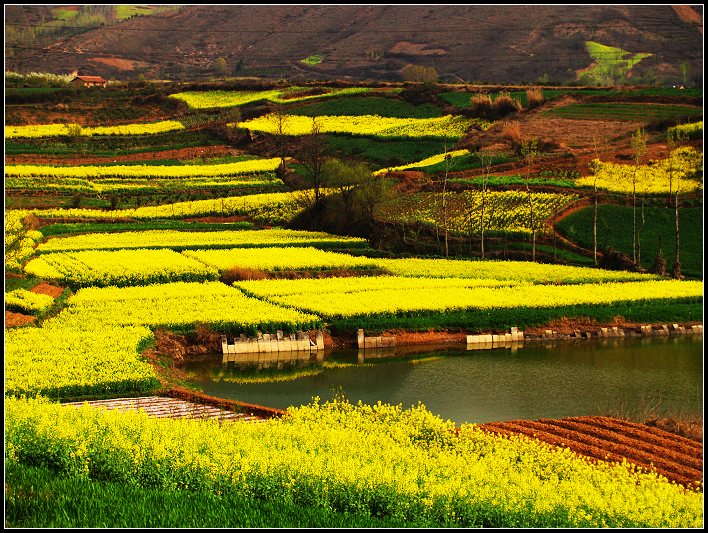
(674, 138)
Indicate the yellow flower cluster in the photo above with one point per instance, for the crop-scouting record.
(280, 258)
(180, 305)
(198, 239)
(121, 268)
(335, 298)
(268, 208)
(20, 240)
(449, 126)
(694, 130)
(353, 285)
(214, 99)
(55, 130)
(521, 271)
(655, 178)
(69, 361)
(428, 161)
(143, 171)
(27, 301)
(373, 458)
(503, 211)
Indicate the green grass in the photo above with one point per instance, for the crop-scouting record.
(124, 11)
(501, 181)
(97, 227)
(475, 320)
(550, 252)
(616, 222)
(639, 112)
(462, 100)
(26, 283)
(115, 145)
(64, 14)
(38, 497)
(383, 153)
(314, 59)
(372, 105)
(465, 162)
(610, 64)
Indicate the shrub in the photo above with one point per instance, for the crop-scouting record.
(511, 131)
(505, 104)
(485, 106)
(241, 274)
(534, 97)
(481, 105)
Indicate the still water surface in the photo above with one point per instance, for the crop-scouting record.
(590, 377)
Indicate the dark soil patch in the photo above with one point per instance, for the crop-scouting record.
(46, 288)
(17, 319)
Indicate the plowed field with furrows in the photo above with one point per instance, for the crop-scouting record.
(610, 439)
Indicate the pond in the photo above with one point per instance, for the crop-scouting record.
(614, 377)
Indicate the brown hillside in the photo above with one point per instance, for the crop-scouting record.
(499, 44)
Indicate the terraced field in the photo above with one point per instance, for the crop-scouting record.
(677, 458)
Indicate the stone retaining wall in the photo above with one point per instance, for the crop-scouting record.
(370, 343)
(515, 336)
(269, 343)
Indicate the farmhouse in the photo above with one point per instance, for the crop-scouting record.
(89, 81)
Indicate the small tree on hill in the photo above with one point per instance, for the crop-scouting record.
(594, 168)
(220, 66)
(279, 120)
(312, 156)
(639, 147)
(674, 137)
(346, 179)
(419, 73)
(486, 160)
(529, 151)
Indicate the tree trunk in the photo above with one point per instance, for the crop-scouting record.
(676, 271)
(634, 220)
(594, 232)
(481, 222)
(639, 237)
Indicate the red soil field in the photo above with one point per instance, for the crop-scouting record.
(677, 458)
(181, 153)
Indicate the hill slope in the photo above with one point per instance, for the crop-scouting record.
(504, 44)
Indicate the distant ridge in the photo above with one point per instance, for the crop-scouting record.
(473, 43)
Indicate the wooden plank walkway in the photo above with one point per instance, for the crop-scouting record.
(163, 407)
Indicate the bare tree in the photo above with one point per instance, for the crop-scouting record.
(312, 157)
(486, 160)
(445, 213)
(639, 147)
(279, 121)
(674, 137)
(529, 151)
(595, 171)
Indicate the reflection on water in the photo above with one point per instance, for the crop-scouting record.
(549, 380)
